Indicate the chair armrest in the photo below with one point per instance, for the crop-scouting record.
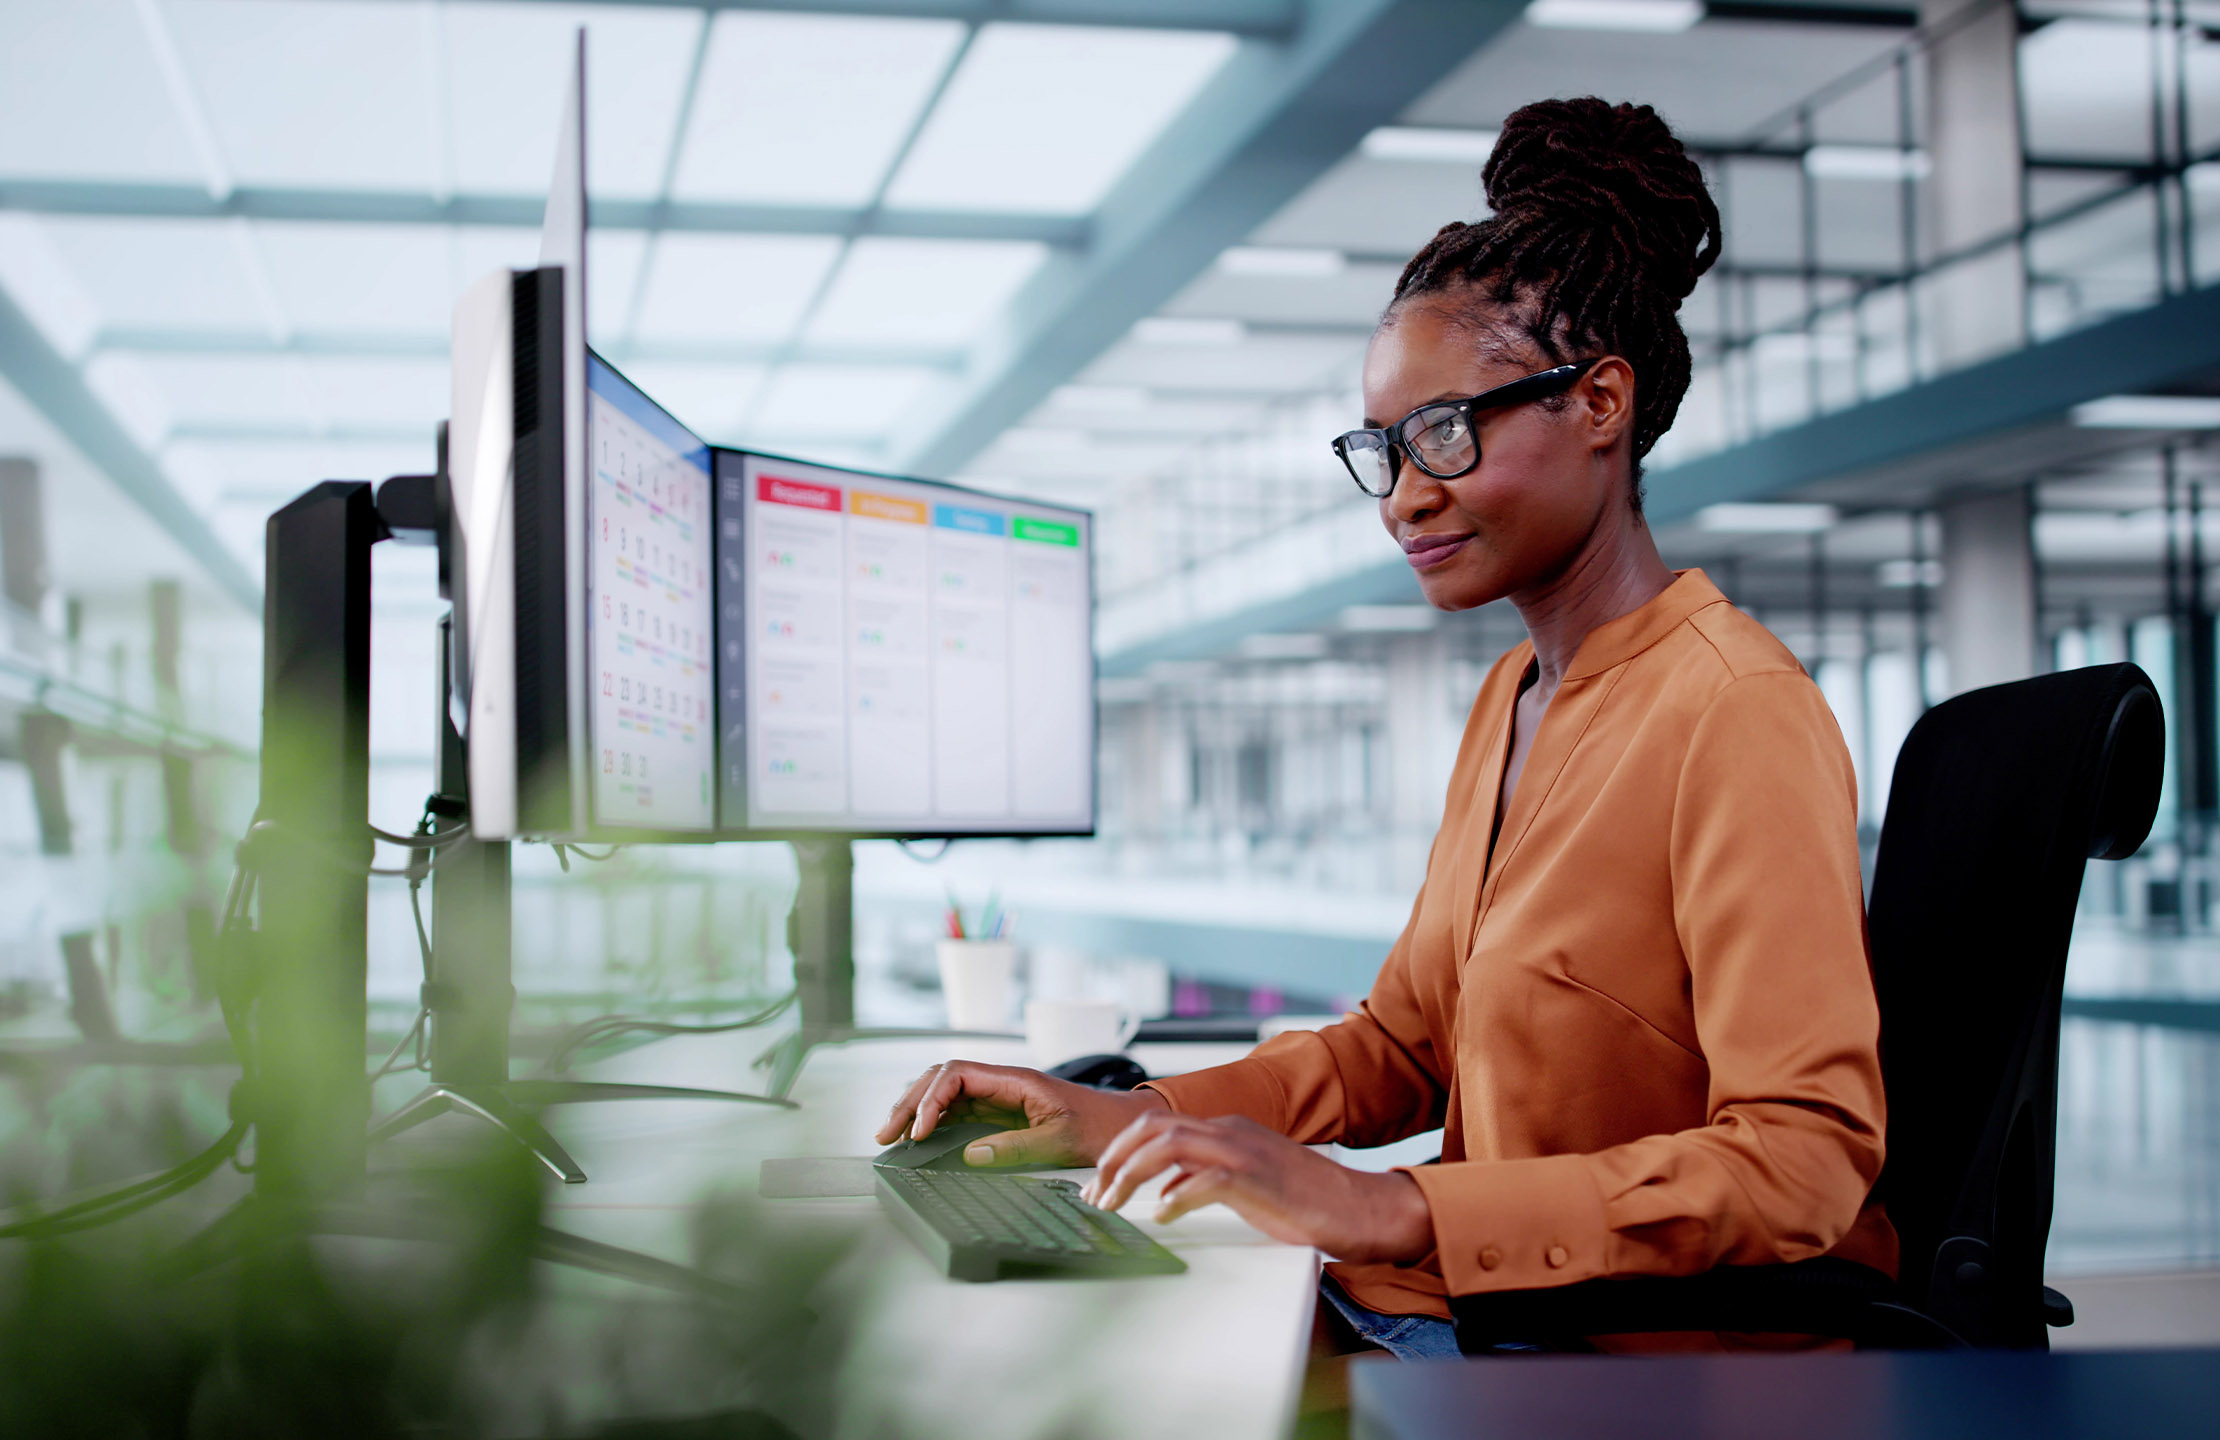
(1821, 1296)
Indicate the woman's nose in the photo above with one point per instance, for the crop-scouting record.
(1416, 496)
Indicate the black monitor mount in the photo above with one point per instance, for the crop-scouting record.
(312, 1009)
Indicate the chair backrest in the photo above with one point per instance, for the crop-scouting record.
(2000, 797)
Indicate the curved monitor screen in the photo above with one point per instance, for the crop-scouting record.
(909, 659)
(651, 614)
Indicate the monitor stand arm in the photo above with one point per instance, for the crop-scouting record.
(821, 933)
(470, 997)
(308, 962)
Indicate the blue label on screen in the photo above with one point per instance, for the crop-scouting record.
(978, 522)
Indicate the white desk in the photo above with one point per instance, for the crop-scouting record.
(1216, 1352)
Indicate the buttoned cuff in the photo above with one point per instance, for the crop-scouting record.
(1244, 1087)
(1515, 1224)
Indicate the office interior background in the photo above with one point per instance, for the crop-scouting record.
(1957, 386)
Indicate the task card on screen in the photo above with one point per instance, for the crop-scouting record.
(651, 600)
(917, 658)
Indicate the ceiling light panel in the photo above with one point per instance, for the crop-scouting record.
(1282, 262)
(360, 279)
(81, 97)
(922, 292)
(1430, 143)
(263, 394)
(1044, 119)
(808, 109)
(711, 400)
(1183, 331)
(270, 472)
(1734, 518)
(1646, 17)
(2150, 412)
(336, 95)
(1353, 298)
(855, 404)
(1259, 365)
(379, 393)
(131, 269)
(613, 260)
(731, 287)
(505, 69)
(44, 286)
(1866, 162)
(1372, 206)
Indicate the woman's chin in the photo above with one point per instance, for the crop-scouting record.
(1459, 587)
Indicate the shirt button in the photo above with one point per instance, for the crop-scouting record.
(1557, 1257)
(1490, 1258)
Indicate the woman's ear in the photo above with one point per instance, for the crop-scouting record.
(1606, 396)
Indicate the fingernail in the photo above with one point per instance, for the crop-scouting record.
(979, 1155)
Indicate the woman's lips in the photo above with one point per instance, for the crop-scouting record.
(1426, 551)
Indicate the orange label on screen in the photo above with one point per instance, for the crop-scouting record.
(885, 507)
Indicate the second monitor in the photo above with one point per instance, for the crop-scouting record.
(910, 658)
(798, 649)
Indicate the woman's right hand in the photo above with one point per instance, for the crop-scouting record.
(1065, 1124)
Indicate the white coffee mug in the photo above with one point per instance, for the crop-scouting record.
(1060, 1030)
(977, 979)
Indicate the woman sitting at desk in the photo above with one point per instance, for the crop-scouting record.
(1634, 989)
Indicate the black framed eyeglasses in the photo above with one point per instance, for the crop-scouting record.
(1439, 438)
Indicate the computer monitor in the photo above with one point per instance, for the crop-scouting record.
(516, 475)
(900, 657)
(651, 617)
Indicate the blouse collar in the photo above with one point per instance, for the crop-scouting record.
(1617, 641)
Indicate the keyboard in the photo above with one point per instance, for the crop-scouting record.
(1003, 1227)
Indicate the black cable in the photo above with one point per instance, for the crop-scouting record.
(594, 1031)
(422, 840)
(935, 858)
(129, 1199)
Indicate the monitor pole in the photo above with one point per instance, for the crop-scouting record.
(470, 995)
(820, 931)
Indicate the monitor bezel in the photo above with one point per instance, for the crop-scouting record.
(1094, 688)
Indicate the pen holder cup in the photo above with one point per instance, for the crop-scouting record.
(978, 980)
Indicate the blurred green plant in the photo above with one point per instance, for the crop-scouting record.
(422, 1307)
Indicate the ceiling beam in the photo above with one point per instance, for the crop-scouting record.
(1276, 117)
(56, 389)
(1251, 19)
(375, 207)
(423, 346)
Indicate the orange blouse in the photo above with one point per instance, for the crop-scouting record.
(1647, 1024)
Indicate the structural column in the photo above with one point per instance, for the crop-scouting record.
(1420, 750)
(1976, 308)
(1989, 632)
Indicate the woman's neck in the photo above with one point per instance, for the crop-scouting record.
(1616, 572)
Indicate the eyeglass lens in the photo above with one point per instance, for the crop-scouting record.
(1369, 463)
(1441, 440)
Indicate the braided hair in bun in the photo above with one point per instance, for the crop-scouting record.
(1602, 226)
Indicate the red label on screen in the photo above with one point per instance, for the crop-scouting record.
(796, 492)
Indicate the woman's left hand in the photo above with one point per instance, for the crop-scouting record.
(1286, 1190)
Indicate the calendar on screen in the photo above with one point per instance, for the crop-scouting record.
(651, 595)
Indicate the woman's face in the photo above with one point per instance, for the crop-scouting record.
(1546, 479)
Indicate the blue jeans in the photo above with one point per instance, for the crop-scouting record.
(1406, 1337)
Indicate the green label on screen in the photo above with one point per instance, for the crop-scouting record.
(1047, 532)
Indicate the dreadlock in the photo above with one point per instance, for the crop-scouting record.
(1602, 226)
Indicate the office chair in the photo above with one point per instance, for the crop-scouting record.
(2000, 798)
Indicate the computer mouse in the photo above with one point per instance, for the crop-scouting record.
(1104, 1072)
(944, 1149)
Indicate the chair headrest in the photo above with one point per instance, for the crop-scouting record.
(2131, 764)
